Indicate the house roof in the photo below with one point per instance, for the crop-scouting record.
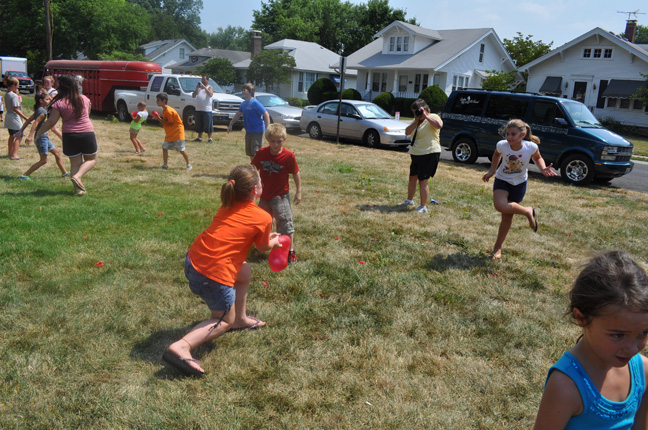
(199, 56)
(434, 56)
(164, 46)
(414, 30)
(309, 56)
(640, 51)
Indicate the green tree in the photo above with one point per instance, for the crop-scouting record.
(500, 80)
(232, 38)
(336, 25)
(175, 19)
(523, 50)
(641, 34)
(271, 67)
(220, 70)
(121, 56)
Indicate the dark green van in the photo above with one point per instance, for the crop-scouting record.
(571, 137)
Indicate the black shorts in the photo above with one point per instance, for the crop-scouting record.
(75, 144)
(424, 166)
(204, 122)
(516, 192)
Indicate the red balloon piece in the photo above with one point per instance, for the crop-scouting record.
(278, 258)
(155, 114)
(134, 114)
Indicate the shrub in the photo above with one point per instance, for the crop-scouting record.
(321, 91)
(294, 101)
(403, 105)
(351, 94)
(435, 97)
(385, 101)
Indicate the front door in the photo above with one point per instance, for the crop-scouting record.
(580, 89)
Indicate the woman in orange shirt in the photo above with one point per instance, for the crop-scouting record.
(216, 268)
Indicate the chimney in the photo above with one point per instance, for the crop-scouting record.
(256, 42)
(631, 29)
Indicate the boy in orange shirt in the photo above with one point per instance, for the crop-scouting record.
(174, 129)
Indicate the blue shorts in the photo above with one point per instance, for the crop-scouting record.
(44, 145)
(13, 132)
(204, 122)
(218, 297)
(516, 192)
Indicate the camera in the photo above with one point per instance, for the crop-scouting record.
(419, 112)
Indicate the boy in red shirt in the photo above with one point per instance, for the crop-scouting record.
(174, 129)
(275, 163)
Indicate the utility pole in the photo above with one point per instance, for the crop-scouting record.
(48, 29)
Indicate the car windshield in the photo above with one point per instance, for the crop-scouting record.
(581, 116)
(271, 101)
(189, 83)
(13, 74)
(371, 111)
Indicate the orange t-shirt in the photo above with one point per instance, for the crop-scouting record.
(219, 251)
(173, 131)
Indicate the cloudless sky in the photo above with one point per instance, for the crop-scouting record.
(557, 21)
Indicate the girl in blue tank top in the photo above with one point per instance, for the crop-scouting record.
(601, 382)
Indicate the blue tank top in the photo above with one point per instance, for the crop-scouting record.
(599, 412)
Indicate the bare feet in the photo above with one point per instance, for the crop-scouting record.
(181, 349)
(496, 254)
(249, 323)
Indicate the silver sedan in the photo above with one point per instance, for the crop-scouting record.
(359, 120)
(279, 110)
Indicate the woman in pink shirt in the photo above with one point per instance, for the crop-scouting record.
(79, 141)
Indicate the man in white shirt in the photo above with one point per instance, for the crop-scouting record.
(203, 115)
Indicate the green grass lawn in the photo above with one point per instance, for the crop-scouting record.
(390, 319)
(640, 146)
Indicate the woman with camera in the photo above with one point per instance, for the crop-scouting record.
(425, 152)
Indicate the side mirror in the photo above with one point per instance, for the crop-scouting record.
(561, 122)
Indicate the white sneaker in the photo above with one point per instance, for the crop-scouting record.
(407, 202)
(189, 167)
(421, 210)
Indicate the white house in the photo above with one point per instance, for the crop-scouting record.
(166, 53)
(405, 58)
(312, 63)
(599, 69)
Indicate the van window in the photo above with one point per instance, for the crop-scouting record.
(469, 104)
(545, 113)
(506, 107)
(157, 84)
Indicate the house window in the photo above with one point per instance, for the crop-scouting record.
(300, 85)
(637, 104)
(436, 80)
(625, 104)
(402, 83)
(607, 53)
(597, 53)
(459, 82)
(587, 53)
(481, 53)
(420, 82)
(379, 82)
(611, 102)
(398, 43)
(310, 79)
(406, 43)
(392, 41)
(182, 53)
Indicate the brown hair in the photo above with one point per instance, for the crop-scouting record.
(248, 87)
(523, 127)
(12, 81)
(69, 90)
(141, 104)
(239, 185)
(609, 279)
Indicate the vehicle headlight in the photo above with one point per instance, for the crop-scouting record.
(394, 130)
(610, 150)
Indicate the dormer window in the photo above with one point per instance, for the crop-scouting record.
(481, 53)
(398, 43)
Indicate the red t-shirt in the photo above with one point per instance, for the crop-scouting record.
(219, 251)
(274, 171)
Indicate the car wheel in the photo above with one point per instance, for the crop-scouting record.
(314, 130)
(372, 139)
(465, 151)
(577, 169)
(122, 112)
(189, 117)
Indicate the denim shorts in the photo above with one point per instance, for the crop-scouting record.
(218, 297)
(13, 132)
(279, 208)
(204, 122)
(516, 192)
(44, 145)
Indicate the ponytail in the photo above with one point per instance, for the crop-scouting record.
(240, 183)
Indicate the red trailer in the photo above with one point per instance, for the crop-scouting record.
(102, 78)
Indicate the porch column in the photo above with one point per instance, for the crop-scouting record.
(395, 85)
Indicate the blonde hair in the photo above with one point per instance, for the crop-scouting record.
(277, 130)
(523, 127)
(240, 183)
(141, 104)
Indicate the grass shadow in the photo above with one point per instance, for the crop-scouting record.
(383, 208)
(458, 260)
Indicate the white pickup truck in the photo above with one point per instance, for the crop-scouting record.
(179, 89)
